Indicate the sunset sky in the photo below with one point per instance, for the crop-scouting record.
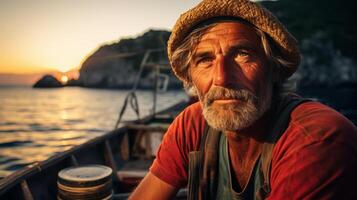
(44, 35)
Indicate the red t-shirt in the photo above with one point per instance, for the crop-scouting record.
(316, 157)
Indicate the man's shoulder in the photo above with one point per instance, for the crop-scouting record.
(194, 108)
(192, 113)
(312, 115)
(188, 127)
(316, 152)
(313, 122)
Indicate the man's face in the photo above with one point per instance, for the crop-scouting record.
(232, 76)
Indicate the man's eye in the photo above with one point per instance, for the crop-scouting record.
(204, 60)
(242, 54)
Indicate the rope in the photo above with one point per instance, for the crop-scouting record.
(131, 97)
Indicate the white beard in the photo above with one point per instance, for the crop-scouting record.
(232, 117)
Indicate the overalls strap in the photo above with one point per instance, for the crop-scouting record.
(282, 119)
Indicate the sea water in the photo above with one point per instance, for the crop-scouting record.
(35, 124)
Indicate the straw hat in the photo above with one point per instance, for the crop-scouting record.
(252, 12)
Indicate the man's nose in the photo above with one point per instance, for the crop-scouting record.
(222, 74)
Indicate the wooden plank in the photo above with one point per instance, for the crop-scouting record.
(109, 159)
(26, 190)
(148, 150)
(124, 148)
(74, 160)
(131, 174)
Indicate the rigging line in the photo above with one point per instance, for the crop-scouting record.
(131, 97)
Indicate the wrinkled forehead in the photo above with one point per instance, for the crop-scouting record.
(226, 35)
(221, 27)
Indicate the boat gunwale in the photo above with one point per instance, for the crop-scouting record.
(9, 181)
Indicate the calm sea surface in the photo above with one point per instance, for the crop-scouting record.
(38, 123)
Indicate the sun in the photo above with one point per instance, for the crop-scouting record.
(64, 79)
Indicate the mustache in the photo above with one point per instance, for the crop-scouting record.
(217, 92)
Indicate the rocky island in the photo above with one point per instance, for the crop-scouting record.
(48, 81)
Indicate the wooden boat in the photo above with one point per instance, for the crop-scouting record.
(128, 150)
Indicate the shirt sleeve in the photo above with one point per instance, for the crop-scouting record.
(171, 162)
(316, 159)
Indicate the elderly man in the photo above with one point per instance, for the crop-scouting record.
(248, 137)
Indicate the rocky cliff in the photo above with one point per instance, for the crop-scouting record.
(117, 65)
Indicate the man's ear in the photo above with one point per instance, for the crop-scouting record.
(190, 89)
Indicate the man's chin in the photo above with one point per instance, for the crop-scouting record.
(229, 118)
(222, 107)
